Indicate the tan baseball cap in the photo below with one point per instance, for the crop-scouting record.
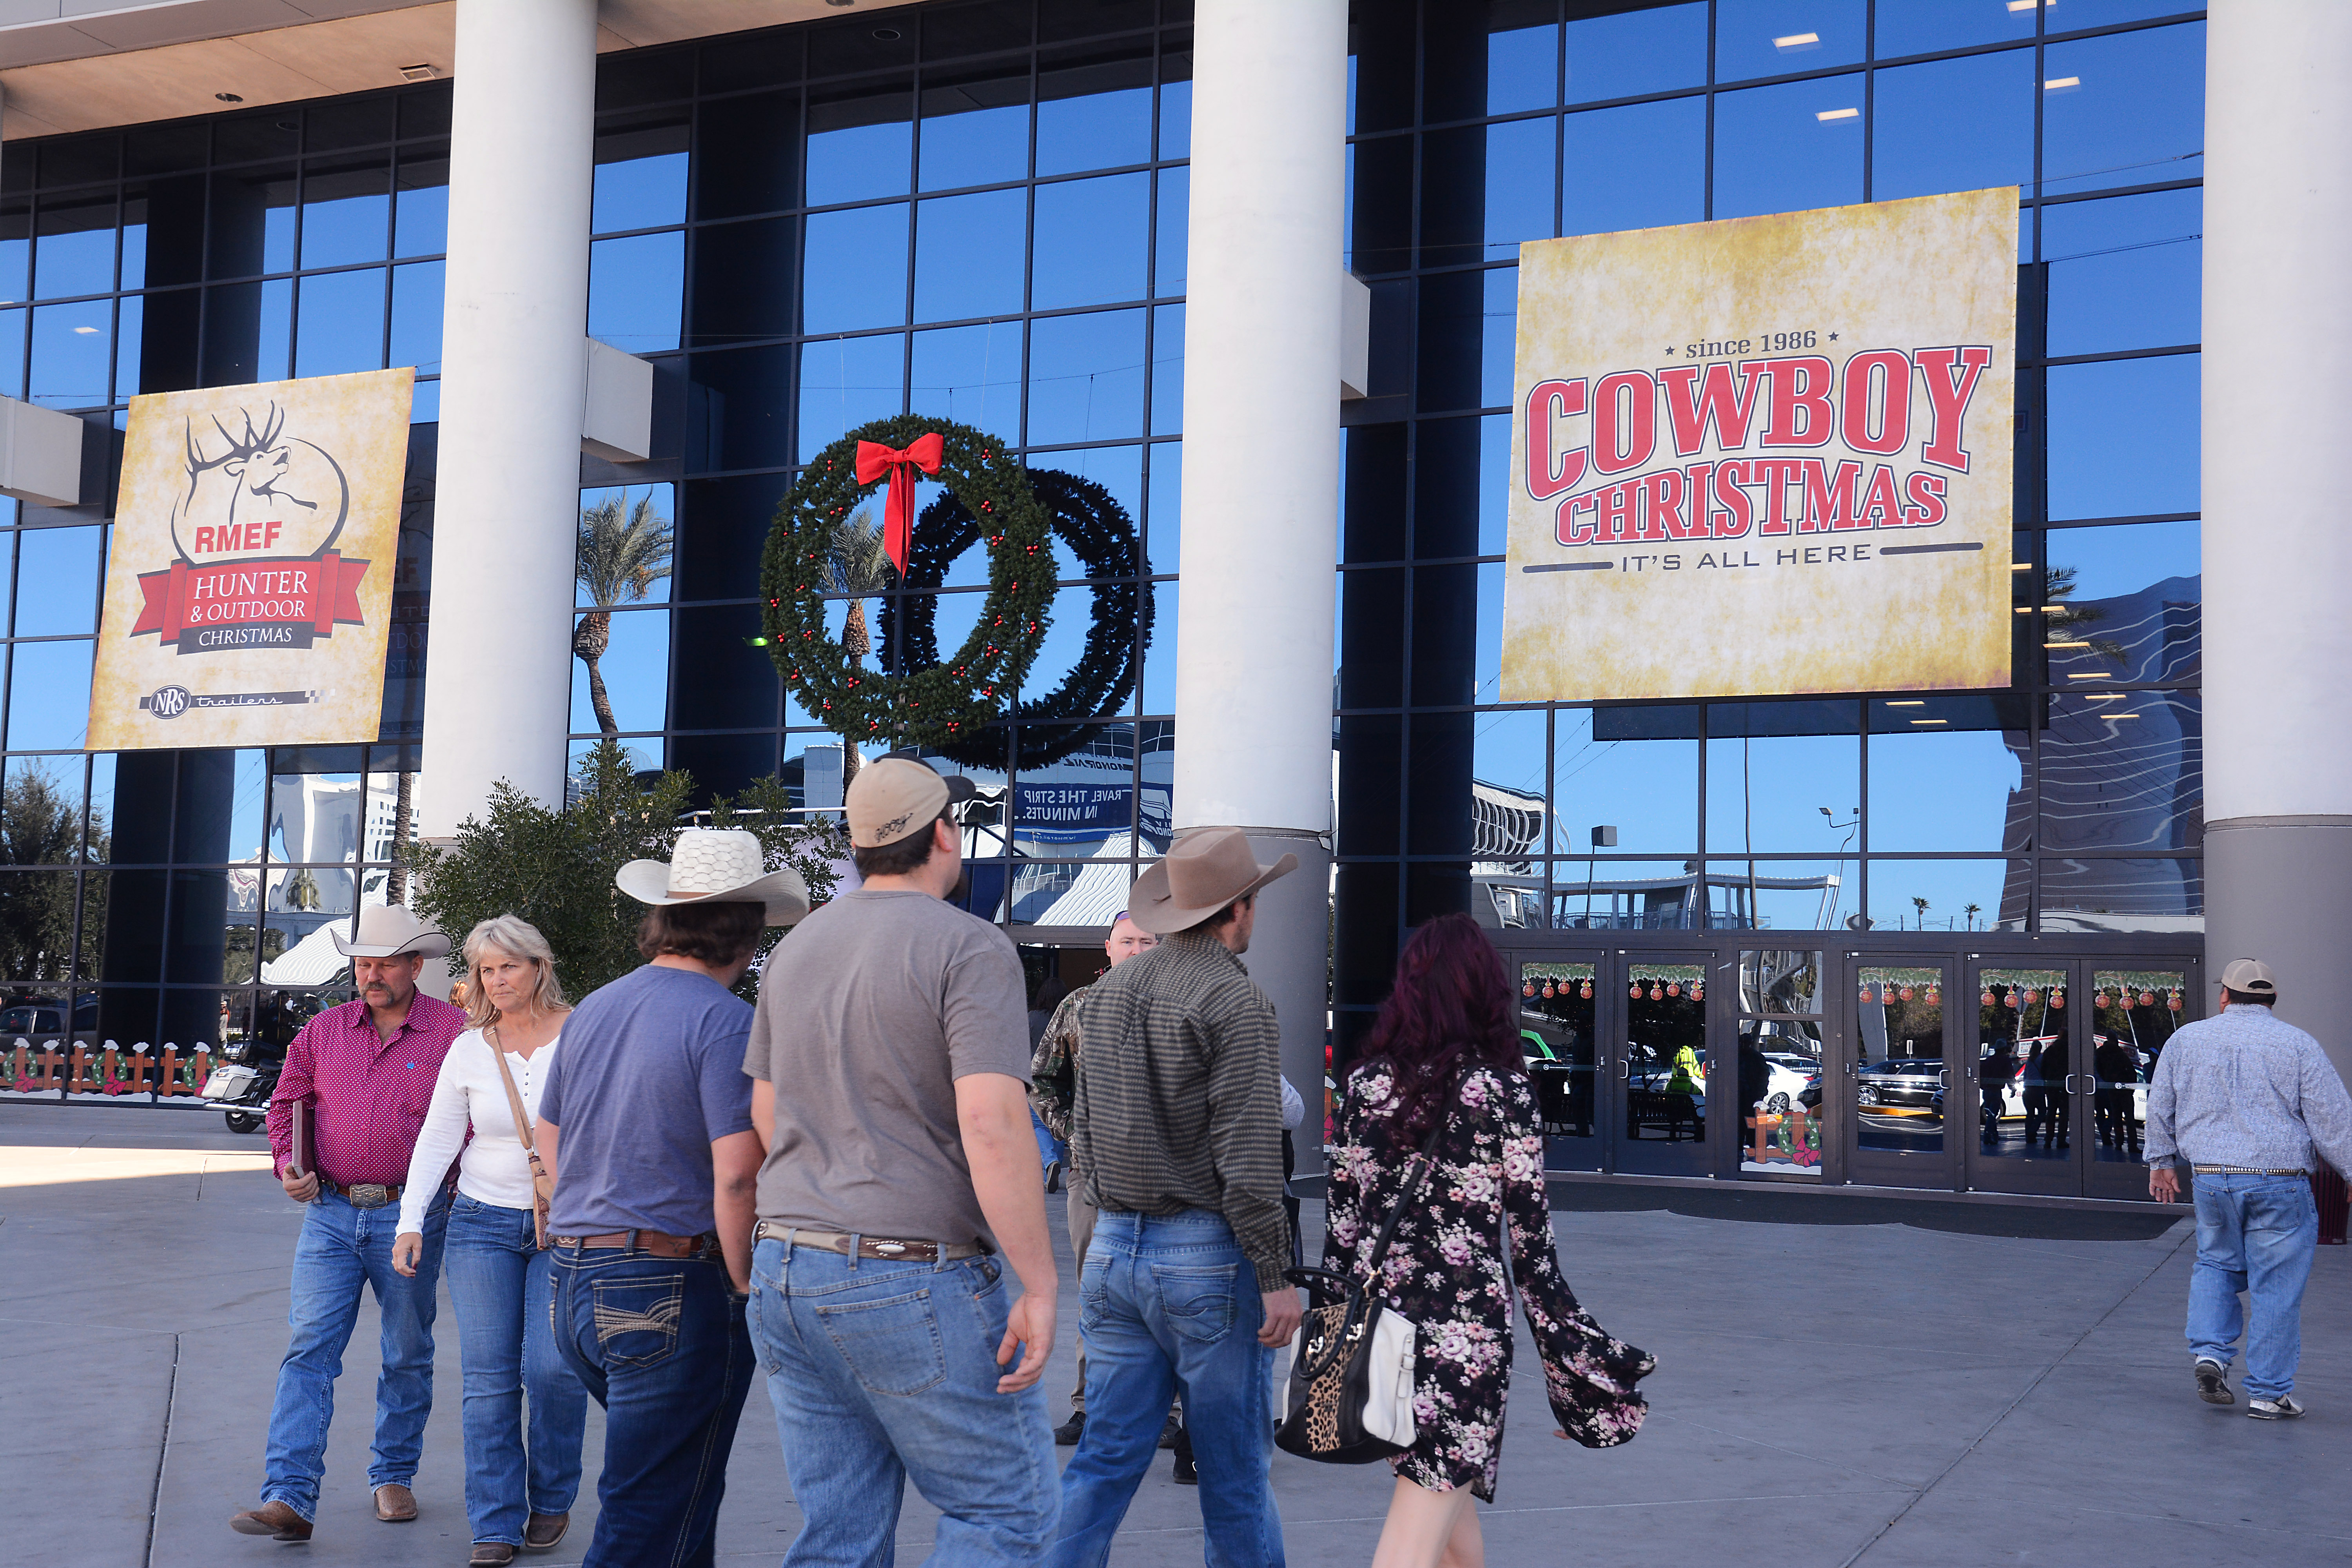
(899, 795)
(2249, 977)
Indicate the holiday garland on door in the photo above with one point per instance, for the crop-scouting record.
(1088, 519)
(943, 704)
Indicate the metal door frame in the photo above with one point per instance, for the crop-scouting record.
(1842, 1082)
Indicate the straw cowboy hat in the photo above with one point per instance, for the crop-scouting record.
(389, 931)
(717, 866)
(1202, 871)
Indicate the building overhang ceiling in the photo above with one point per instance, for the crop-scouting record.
(71, 65)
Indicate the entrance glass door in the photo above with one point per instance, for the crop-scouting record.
(1659, 1092)
(1901, 1075)
(2025, 1100)
(2133, 1014)
(1559, 1009)
(1776, 1095)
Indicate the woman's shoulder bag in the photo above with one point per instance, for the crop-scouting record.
(542, 1186)
(1350, 1398)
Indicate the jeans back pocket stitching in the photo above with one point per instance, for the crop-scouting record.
(662, 1317)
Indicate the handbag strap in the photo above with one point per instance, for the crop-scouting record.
(1411, 1189)
(514, 1097)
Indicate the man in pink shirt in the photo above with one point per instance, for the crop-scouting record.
(366, 1070)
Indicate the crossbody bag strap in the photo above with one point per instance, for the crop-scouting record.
(514, 1099)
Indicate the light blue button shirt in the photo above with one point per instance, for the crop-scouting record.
(2246, 1090)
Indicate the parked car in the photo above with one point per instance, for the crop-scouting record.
(1792, 1074)
(36, 1020)
(1906, 1083)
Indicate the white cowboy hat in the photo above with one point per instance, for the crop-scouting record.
(717, 866)
(389, 931)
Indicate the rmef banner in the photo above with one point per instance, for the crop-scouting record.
(249, 589)
(1765, 456)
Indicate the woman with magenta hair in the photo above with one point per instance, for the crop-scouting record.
(1444, 1059)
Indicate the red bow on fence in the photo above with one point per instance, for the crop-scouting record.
(874, 460)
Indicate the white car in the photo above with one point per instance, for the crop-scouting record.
(1792, 1075)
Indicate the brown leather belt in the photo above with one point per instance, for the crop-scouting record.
(660, 1243)
(887, 1248)
(363, 1194)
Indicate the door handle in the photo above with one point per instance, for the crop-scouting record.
(2069, 1083)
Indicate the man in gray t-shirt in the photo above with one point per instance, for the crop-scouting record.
(890, 1059)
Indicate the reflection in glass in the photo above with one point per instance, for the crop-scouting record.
(2124, 273)
(1950, 895)
(2135, 1013)
(1787, 148)
(639, 192)
(971, 374)
(1953, 125)
(2023, 1109)
(346, 217)
(339, 322)
(634, 674)
(75, 251)
(844, 382)
(2123, 894)
(1168, 257)
(1522, 68)
(420, 217)
(963, 146)
(1779, 1096)
(1922, 27)
(2123, 770)
(1900, 1081)
(1774, 37)
(1641, 166)
(1097, 131)
(1604, 774)
(2124, 603)
(1771, 793)
(636, 290)
(1518, 185)
(58, 570)
(1782, 981)
(855, 274)
(1092, 237)
(2123, 438)
(968, 256)
(49, 696)
(857, 161)
(1637, 52)
(417, 298)
(1666, 1077)
(1942, 788)
(1561, 1040)
(72, 348)
(1085, 378)
(12, 352)
(2125, 109)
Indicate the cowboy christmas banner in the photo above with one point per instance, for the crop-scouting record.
(1765, 456)
(249, 591)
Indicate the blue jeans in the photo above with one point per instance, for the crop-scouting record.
(344, 1249)
(1050, 1149)
(2254, 1233)
(503, 1289)
(882, 1372)
(1170, 1303)
(660, 1343)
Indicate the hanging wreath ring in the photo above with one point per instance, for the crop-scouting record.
(1089, 519)
(942, 703)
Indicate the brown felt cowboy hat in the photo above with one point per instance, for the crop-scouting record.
(1202, 871)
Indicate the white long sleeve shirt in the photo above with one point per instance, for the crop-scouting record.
(494, 1169)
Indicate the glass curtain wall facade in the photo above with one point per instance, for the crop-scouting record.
(975, 211)
(2069, 800)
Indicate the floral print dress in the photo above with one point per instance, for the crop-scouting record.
(1444, 1270)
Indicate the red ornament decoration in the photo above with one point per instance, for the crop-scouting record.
(1905, 993)
(1675, 990)
(2032, 996)
(1547, 991)
(1986, 1000)
(2011, 1000)
(2057, 998)
(1636, 992)
(1935, 997)
(1698, 993)
(1868, 996)
(1527, 988)
(1655, 994)
(2148, 998)
(2174, 1002)
(1586, 992)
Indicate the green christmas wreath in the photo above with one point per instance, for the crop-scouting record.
(941, 704)
(1089, 519)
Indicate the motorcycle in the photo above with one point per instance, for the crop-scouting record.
(241, 1086)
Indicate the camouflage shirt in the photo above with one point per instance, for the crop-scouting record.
(1054, 1072)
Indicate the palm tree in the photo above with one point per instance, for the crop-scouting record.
(2063, 621)
(618, 560)
(1972, 911)
(856, 563)
(1921, 905)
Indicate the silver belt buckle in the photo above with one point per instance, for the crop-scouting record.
(367, 1194)
(887, 1248)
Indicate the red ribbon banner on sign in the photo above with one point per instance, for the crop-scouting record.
(225, 605)
(874, 460)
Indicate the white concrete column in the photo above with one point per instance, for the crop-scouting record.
(514, 369)
(1262, 336)
(2278, 327)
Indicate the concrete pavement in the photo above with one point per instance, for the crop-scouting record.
(1829, 1394)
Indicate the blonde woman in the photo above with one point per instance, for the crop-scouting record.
(518, 1494)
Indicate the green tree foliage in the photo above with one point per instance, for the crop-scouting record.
(555, 867)
(39, 826)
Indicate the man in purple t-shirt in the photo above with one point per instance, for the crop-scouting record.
(647, 1123)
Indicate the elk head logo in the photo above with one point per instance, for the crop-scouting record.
(254, 492)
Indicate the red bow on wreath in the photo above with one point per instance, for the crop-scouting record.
(874, 460)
